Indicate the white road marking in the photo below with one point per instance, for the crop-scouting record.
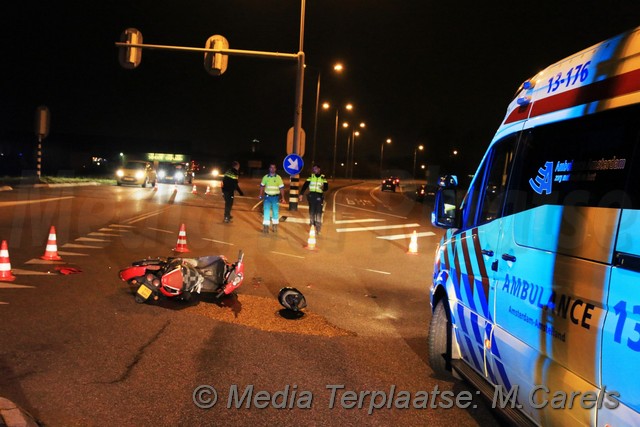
(351, 221)
(44, 261)
(71, 254)
(290, 255)
(407, 236)
(146, 215)
(5, 285)
(77, 246)
(218, 241)
(28, 202)
(377, 271)
(296, 220)
(90, 239)
(102, 234)
(372, 211)
(121, 226)
(378, 227)
(28, 272)
(160, 230)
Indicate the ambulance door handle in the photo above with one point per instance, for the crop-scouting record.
(487, 252)
(508, 257)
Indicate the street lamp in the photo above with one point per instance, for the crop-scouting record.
(388, 141)
(337, 68)
(415, 156)
(353, 146)
(347, 107)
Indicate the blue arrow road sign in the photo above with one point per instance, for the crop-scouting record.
(293, 164)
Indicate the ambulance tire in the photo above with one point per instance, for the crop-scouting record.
(439, 340)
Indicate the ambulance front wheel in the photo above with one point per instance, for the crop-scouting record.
(439, 340)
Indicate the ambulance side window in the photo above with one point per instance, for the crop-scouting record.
(486, 196)
(495, 186)
(590, 161)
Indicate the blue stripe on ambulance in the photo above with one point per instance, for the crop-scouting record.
(475, 293)
(471, 352)
(476, 330)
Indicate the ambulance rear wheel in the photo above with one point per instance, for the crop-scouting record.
(439, 340)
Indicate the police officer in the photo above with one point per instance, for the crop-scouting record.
(272, 192)
(229, 187)
(317, 185)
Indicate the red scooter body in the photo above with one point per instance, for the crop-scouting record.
(183, 277)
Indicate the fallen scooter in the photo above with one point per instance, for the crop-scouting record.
(183, 277)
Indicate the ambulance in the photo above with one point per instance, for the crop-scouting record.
(536, 284)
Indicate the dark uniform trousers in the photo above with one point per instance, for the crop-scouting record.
(316, 200)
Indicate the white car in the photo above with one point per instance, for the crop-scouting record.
(136, 172)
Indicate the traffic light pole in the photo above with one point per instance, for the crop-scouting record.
(130, 47)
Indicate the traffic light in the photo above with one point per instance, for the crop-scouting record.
(130, 57)
(216, 63)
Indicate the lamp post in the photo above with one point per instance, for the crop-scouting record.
(352, 147)
(338, 68)
(415, 156)
(388, 141)
(347, 107)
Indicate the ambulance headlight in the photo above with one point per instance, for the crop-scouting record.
(119, 173)
(139, 174)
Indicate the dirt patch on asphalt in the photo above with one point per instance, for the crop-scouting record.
(267, 315)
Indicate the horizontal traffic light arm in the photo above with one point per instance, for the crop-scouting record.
(232, 52)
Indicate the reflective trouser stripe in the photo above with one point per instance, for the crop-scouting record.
(271, 205)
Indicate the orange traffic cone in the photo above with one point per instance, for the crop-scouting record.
(181, 246)
(195, 190)
(311, 241)
(206, 193)
(5, 264)
(51, 251)
(413, 245)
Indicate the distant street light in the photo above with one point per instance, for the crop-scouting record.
(354, 133)
(388, 141)
(347, 107)
(415, 156)
(338, 68)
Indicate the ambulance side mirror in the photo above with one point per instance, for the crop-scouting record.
(445, 208)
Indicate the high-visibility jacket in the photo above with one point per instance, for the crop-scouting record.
(317, 183)
(272, 184)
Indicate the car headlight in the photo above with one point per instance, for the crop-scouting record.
(162, 174)
(139, 175)
(215, 172)
(119, 173)
(178, 175)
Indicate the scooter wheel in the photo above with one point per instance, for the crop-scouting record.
(186, 296)
(139, 299)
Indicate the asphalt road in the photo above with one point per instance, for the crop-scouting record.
(77, 350)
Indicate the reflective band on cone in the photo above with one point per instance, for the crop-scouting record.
(5, 264)
(413, 245)
(195, 190)
(208, 191)
(311, 242)
(51, 251)
(181, 246)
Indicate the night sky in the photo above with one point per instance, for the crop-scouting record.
(420, 72)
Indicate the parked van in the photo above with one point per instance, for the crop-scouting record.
(536, 285)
